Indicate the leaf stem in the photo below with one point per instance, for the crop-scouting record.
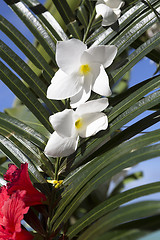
(149, 5)
(89, 24)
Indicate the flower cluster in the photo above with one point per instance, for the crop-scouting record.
(15, 200)
(81, 70)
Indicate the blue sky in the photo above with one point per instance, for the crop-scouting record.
(143, 70)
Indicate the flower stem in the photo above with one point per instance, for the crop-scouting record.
(57, 168)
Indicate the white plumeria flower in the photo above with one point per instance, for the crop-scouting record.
(109, 10)
(85, 121)
(81, 70)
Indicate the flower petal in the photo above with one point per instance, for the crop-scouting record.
(93, 123)
(84, 94)
(64, 86)
(4, 196)
(101, 84)
(8, 176)
(109, 17)
(93, 106)
(63, 123)
(68, 54)
(21, 181)
(25, 235)
(60, 147)
(102, 54)
(13, 211)
(117, 12)
(92, 61)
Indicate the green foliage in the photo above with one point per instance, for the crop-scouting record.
(81, 210)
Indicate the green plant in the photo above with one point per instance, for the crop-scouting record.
(75, 211)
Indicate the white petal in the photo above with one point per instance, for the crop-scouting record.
(95, 70)
(93, 106)
(93, 123)
(68, 54)
(117, 12)
(60, 147)
(102, 54)
(63, 123)
(101, 84)
(84, 94)
(109, 17)
(92, 61)
(64, 86)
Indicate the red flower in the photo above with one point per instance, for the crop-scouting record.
(19, 180)
(12, 210)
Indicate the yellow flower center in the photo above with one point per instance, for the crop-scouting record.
(84, 69)
(78, 123)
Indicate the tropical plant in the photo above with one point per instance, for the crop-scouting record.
(80, 206)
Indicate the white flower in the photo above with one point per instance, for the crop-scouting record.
(81, 70)
(85, 121)
(109, 10)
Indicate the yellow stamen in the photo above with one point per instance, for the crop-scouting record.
(56, 183)
(84, 69)
(78, 123)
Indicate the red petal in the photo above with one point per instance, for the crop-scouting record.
(13, 212)
(10, 174)
(3, 198)
(20, 181)
(5, 235)
(3, 195)
(23, 235)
